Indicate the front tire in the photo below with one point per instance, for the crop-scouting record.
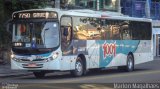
(40, 74)
(79, 68)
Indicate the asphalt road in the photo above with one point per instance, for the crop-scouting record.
(144, 73)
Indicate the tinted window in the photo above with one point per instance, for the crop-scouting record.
(115, 30)
(141, 30)
(109, 29)
(125, 30)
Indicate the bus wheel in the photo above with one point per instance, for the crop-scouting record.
(40, 74)
(79, 68)
(129, 66)
(130, 63)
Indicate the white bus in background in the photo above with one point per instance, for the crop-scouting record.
(46, 40)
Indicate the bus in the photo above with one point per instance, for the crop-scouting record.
(48, 40)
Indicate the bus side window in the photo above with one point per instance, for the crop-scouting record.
(65, 31)
(66, 34)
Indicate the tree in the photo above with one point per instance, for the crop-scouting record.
(1, 21)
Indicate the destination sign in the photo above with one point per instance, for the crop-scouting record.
(35, 15)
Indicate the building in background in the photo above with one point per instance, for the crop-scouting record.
(99, 4)
(145, 9)
(141, 8)
(111, 5)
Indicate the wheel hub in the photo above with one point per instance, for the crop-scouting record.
(79, 67)
(130, 64)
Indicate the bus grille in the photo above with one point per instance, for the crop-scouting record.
(35, 60)
(38, 60)
(25, 60)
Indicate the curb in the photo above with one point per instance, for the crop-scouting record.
(15, 75)
(11, 73)
(156, 58)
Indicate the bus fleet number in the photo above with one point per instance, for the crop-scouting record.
(24, 15)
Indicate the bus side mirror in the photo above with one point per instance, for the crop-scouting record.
(65, 31)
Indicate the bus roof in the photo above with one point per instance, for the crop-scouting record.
(91, 13)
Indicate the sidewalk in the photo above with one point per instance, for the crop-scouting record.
(156, 58)
(5, 71)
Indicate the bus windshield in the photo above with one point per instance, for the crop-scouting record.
(35, 35)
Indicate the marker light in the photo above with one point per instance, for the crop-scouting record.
(12, 56)
(17, 44)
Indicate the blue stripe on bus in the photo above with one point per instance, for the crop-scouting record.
(109, 49)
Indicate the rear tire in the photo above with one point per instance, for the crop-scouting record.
(40, 74)
(79, 68)
(129, 66)
(130, 63)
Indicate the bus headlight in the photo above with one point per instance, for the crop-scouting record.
(15, 59)
(50, 59)
(55, 55)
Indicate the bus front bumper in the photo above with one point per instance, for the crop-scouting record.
(54, 65)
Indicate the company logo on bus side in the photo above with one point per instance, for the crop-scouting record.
(109, 50)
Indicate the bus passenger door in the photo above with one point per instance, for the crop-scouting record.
(66, 42)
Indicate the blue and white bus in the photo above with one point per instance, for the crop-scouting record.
(46, 40)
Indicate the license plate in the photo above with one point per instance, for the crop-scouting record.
(32, 65)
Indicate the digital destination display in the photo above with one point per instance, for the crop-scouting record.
(35, 15)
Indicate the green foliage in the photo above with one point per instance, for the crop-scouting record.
(1, 21)
(17, 5)
(1, 11)
(4, 35)
(39, 4)
(14, 4)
